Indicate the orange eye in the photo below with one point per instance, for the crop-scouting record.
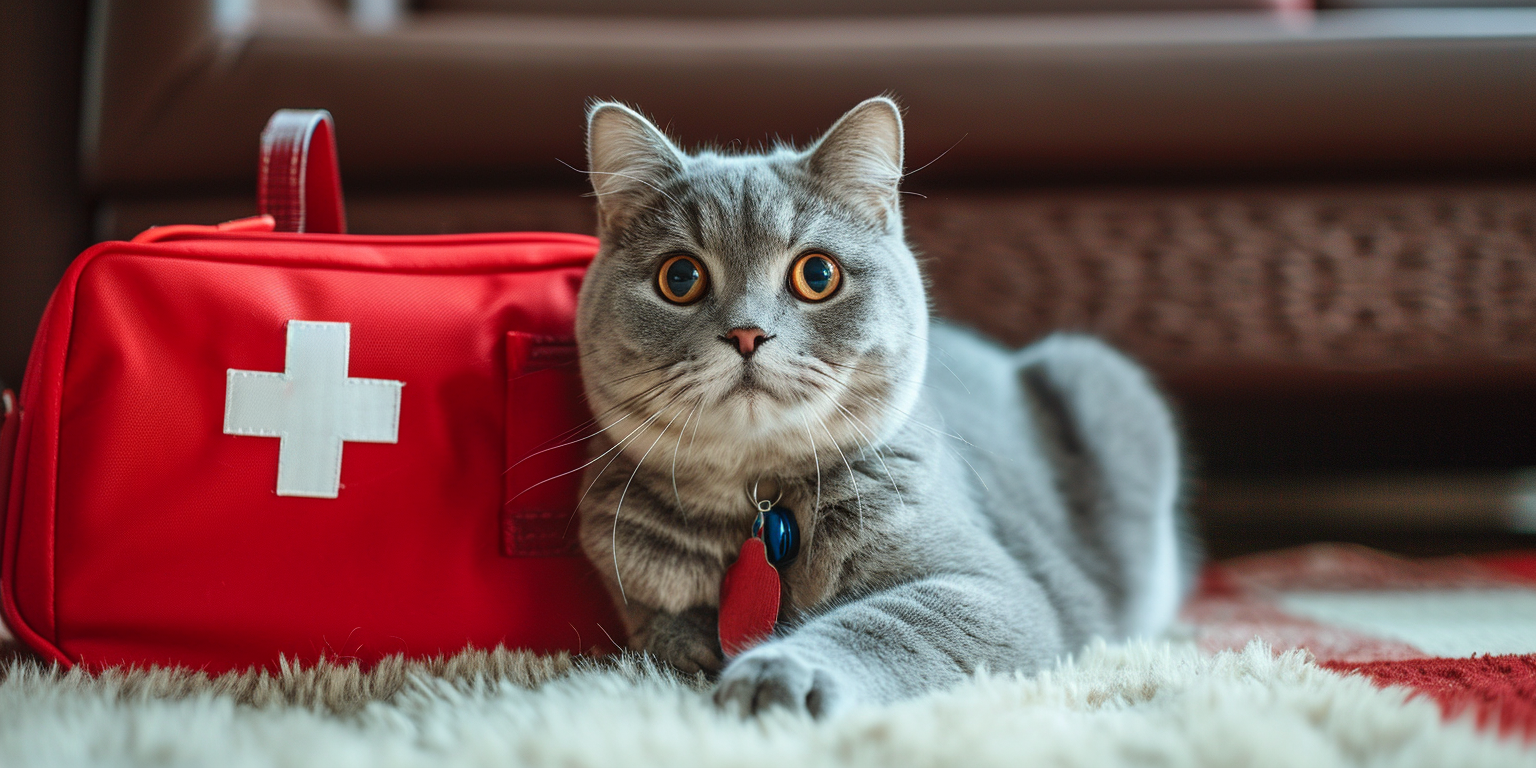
(815, 276)
(681, 279)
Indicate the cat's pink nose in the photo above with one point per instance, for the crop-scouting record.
(747, 339)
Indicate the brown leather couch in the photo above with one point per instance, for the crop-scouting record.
(493, 90)
(1317, 224)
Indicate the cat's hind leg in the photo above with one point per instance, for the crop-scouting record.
(1114, 448)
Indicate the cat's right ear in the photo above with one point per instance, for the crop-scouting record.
(860, 159)
(630, 159)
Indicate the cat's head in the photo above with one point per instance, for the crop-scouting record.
(766, 302)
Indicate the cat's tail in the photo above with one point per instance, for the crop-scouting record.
(1113, 441)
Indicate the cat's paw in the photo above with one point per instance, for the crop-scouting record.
(775, 677)
(686, 640)
(690, 655)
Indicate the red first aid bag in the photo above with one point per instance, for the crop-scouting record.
(235, 444)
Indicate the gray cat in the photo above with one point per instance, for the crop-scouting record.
(758, 320)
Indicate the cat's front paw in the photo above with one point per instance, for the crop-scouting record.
(776, 677)
(686, 640)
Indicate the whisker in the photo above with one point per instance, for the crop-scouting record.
(941, 353)
(854, 368)
(869, 446)
(627, 402)
(816, 506)
(920, 423)
(695, 437)
(936, 159)
(617, 451)
(814, 457)
(613, 542)
(600, 472)
(952, 373)
(583, 438)
(916, 421)
(589, 463)
(637, 374)
(885, 405)
(680, 432)
(962, 457)
(852, 478)
(876, 449)
(659, 190)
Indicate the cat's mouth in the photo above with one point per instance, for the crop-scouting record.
(751, 383)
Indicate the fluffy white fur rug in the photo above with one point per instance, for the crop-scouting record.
(1149, 704)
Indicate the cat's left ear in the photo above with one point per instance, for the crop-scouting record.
(630, 160)
(860, 159)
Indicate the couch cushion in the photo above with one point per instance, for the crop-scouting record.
(177, 101)
(801, 8)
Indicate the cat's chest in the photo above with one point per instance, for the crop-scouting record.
(807, 578)
(826, 557)
(836, 521)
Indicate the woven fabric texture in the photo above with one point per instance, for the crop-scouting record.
(1348, 279)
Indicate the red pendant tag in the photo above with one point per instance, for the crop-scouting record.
(749, 599)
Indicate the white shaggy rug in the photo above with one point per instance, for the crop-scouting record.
(1146, 704)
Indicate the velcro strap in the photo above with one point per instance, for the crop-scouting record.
(299, 183)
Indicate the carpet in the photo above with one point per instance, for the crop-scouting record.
(1212, 696)
(1460, 631)
(1141, 704)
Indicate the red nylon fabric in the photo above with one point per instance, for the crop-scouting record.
(137, 532)
(538, 518)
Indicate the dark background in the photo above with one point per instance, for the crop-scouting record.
(1094, 124)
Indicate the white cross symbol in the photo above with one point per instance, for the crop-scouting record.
(312, 407)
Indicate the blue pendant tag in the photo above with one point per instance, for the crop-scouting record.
(780, 533)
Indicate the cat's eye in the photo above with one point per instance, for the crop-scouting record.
(681, 279)
(815, 276)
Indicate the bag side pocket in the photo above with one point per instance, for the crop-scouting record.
(547, 421)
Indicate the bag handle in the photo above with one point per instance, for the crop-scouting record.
(299, 183)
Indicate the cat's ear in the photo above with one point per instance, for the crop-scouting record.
(860, 158)
(630, 159)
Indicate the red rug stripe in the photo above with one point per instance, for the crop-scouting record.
(1497, 691)
(1521, 565)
